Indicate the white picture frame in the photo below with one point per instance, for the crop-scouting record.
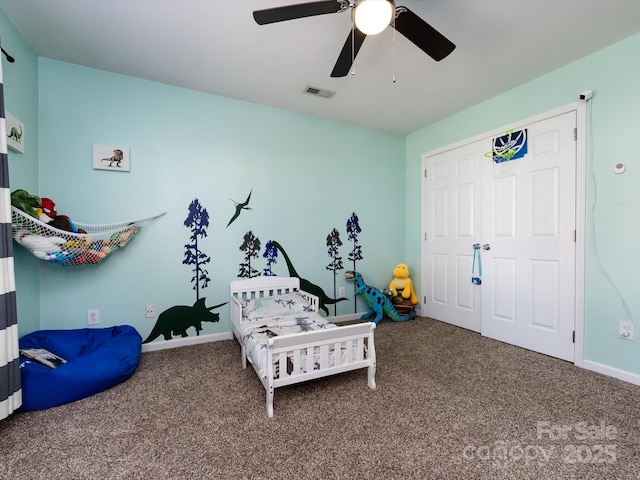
(110, 157)
(15, 133)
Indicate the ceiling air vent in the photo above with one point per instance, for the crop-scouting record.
(319, 92)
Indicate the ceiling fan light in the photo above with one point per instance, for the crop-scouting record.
(373, 16)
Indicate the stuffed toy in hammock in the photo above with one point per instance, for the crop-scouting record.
(57, 239)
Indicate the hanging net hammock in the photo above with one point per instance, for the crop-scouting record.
(70, 249)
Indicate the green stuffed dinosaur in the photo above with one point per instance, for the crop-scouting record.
(378, 302)
(23, 200)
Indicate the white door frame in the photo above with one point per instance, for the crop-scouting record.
(580, 108)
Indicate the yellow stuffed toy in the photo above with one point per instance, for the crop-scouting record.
(402, 284)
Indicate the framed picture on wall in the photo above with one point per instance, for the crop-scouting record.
(15, 133)
(109, 157)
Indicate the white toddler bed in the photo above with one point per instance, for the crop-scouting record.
(287, 341)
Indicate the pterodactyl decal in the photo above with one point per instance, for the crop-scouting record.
(240, 207)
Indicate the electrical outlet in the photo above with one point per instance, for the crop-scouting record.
(93, 317)
(626, 331)
(341, 292)
(149, 311)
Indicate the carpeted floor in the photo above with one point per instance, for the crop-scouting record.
(450, 404)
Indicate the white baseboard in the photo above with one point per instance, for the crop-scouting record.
(183, 342)
(610, 371)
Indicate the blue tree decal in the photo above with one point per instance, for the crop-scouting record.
(271, 254)
(353, 229)
(333, 243)
(197, 221)
(251, 248)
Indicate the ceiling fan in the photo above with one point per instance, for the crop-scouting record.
(423, 35)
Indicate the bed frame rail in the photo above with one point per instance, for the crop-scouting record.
(353, 342)
(261, 287)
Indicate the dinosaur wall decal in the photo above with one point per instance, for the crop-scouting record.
(239, 207)
(176, 320)
(378, 302)
(306, 285)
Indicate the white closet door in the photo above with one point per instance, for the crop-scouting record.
(524, 212)
(453, 215)
(528, 288)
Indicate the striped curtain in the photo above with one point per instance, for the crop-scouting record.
(10, 392)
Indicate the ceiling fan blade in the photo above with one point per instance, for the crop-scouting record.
(423, 35)
(301, 10)
(345, 59)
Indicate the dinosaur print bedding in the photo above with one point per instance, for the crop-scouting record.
(255, 336)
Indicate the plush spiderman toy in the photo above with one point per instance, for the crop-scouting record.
(51, 217)
(48, 207)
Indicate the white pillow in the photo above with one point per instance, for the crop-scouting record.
(277, 305)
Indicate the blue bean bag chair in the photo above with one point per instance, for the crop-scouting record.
(97, 359)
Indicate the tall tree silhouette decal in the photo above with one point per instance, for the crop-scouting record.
(197, 221)
(176, 320)
(271, 254)
(353, 229)
(333, 243)
(251, 248)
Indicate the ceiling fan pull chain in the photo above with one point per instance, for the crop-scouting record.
(353, 42)
(393, 53)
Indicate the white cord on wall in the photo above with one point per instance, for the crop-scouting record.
(594, 184)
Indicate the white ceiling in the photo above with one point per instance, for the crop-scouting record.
(215, 46)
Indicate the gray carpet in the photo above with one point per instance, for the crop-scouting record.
(450, 404)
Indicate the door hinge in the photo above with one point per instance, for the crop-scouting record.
(574, 236)
(574, 337)
(424, 299)
(575, 133)
(425, 173)
(425, 236)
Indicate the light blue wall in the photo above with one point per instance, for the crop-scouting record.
(614, 75)
(21, 100)
(308, 175)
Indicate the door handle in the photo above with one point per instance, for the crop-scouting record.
(486, 246)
